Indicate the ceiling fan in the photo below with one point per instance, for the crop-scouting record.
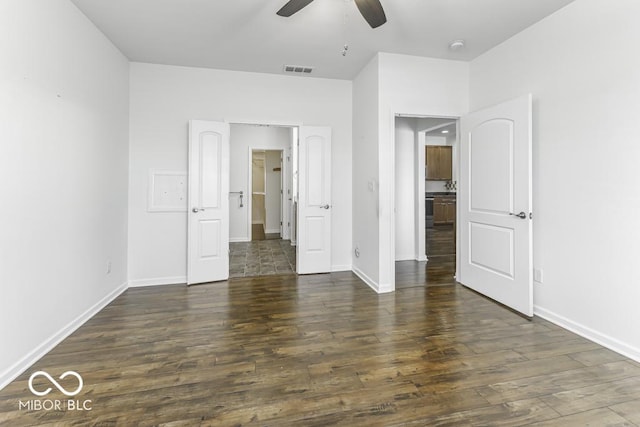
(371, 10)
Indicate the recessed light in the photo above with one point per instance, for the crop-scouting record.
(445, 131)
(456, 45)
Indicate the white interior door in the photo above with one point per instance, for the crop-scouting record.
(314, 204)
(495, 204)
(208, 216)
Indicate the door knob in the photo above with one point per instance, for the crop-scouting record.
(325, 207)
(520, 215)
(196, 210)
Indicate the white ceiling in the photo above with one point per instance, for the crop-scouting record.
(247, 35)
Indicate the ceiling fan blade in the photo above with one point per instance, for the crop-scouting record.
(372, 12)
(292, 7)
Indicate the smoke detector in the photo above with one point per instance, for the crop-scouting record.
(298, 69)
(456, 45)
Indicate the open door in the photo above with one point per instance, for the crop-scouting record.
(495, 204)
(208, 216)
(314, 204)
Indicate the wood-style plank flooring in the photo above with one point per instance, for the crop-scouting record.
(325, 350)
(441, 251)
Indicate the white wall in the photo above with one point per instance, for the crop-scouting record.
(273, 201)
(63, 165)
(584, 78)
(243, 138)
(392, 84)
(164, 98)
(365, 173)
(405, 184)
(413, 86)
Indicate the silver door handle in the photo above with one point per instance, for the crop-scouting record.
(325, 207)
(520, 215)
(196, 210)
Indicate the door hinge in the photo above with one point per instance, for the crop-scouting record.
(280, 223)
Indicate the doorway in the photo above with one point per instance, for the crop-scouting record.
(441, 200)
(260, 232)
(425, 173)
(226, 151)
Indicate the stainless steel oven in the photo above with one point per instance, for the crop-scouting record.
(428, 209)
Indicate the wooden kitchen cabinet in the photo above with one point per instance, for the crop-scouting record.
(439, 210)
(438, 162)
(450, 211)
(444, 210)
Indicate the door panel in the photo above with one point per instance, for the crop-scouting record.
(495, 186)
(208, 215)
(314, 208)
(491, 248)
(209, 235)
(210, 158)
(314, 159)
(491, 175)
(315, 238)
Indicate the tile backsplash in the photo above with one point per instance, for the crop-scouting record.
(436, 186)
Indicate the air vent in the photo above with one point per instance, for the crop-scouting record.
(298, 69)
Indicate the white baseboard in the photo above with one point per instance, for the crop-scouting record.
(272, 231)
(257, 222)
(37, 353)
(422, 258)
(336, 268)
(239, 239)
(406, 257)
(588, 333)
(366, 279)
(177, 280)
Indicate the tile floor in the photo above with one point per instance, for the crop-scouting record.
(262, 258)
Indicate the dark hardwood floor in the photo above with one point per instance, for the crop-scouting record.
(325, 350)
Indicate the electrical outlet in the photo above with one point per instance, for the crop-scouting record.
(108, 267)
(537, 275)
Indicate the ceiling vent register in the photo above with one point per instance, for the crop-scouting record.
(298, 69)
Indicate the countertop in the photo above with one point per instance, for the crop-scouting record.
(441, 194)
